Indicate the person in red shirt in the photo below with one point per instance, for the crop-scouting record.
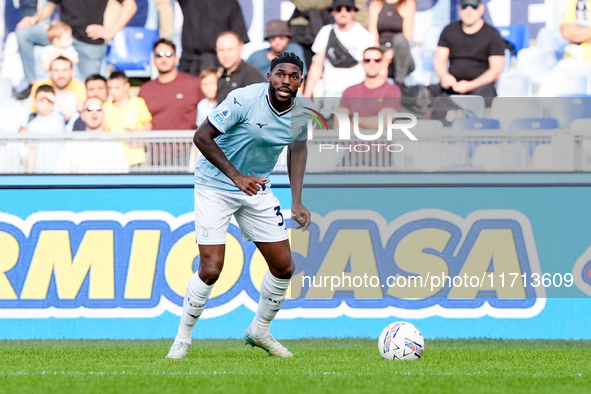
(172, 99)
(374, 94)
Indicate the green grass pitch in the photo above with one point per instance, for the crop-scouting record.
(319, 366)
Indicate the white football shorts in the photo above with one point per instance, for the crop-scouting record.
(259, 217)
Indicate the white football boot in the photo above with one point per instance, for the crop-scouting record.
(179, 350)
(268, 343)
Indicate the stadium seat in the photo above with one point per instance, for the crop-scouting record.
(12, 154)
(475, 124)
(514, 85)
(542, 158)
(534, 63)
(503, 156)
(534, 124)
(431, 39)
(582, 124)
(507, 109)
(131, 51)
(473, 106)
(517, 34)
(5, 88)
(566, 109)
(559, 84)
(550, 41)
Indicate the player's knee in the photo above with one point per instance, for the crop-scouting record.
(209, 274)
(283, 272)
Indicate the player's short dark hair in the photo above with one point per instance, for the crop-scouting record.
(206, 72)
(95, 77)
(62, 58)
(165, 42)
(44, 88)
(118, 75)
(287, 57)
(231, 33)
(374, 49)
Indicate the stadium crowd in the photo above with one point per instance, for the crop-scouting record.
(351, 48)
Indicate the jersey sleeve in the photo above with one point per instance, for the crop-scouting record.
(229, 112)
(497, 45)
(444, 37)
(303, 133)
(570, 12)
(144, 113)
(321, 40)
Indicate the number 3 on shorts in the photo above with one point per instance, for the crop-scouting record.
(278, 213)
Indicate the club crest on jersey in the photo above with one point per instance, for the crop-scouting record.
(222, 115)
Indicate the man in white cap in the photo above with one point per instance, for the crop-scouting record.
(338, 52)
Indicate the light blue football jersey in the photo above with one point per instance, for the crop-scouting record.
(253, 135)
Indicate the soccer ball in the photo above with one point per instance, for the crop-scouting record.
(401, 341)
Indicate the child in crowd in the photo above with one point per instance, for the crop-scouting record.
(43, 156)
(60, 36)
(209, 85)
(126, 113)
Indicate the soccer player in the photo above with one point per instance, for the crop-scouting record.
(240, 143)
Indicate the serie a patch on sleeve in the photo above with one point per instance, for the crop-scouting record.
(222, 115)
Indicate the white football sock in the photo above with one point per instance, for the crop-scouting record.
(273, 291)
(195, 299)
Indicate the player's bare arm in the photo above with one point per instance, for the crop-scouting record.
(204, 141)
(297, 153)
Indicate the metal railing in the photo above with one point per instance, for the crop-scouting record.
(446, 150)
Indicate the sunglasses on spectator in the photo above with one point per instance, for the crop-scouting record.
(94, 107)
(340, 9)
(474, 6)
(162, 54)
(379, 60)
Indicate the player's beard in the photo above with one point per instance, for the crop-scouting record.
(285, 103)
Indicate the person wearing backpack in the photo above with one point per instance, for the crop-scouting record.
(338, 52)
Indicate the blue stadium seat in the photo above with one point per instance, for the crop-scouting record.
(517, 34)
(550, 40)
(567, 109)
(131, 50)
(534, 63)
(507, 109)
(560, 84)
(514, 85)
(534, 124)
(431, 38)
(473, 106)
(475, 124)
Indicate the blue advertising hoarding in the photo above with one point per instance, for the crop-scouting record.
(109, 257)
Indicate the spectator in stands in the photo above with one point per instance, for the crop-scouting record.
(575, 27)
(165, 18)
(209, 85)
(172, 98)
(126, 113)
(96, 86)
(28, 7)
(69, 91)
(391, 23)
(60, 36)
(89, 35)
(279, 36)
(102, 156)
(237, 73)
(475, 51)
(373, 95)
(204, 21)
(42, 157)
(338, 50)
